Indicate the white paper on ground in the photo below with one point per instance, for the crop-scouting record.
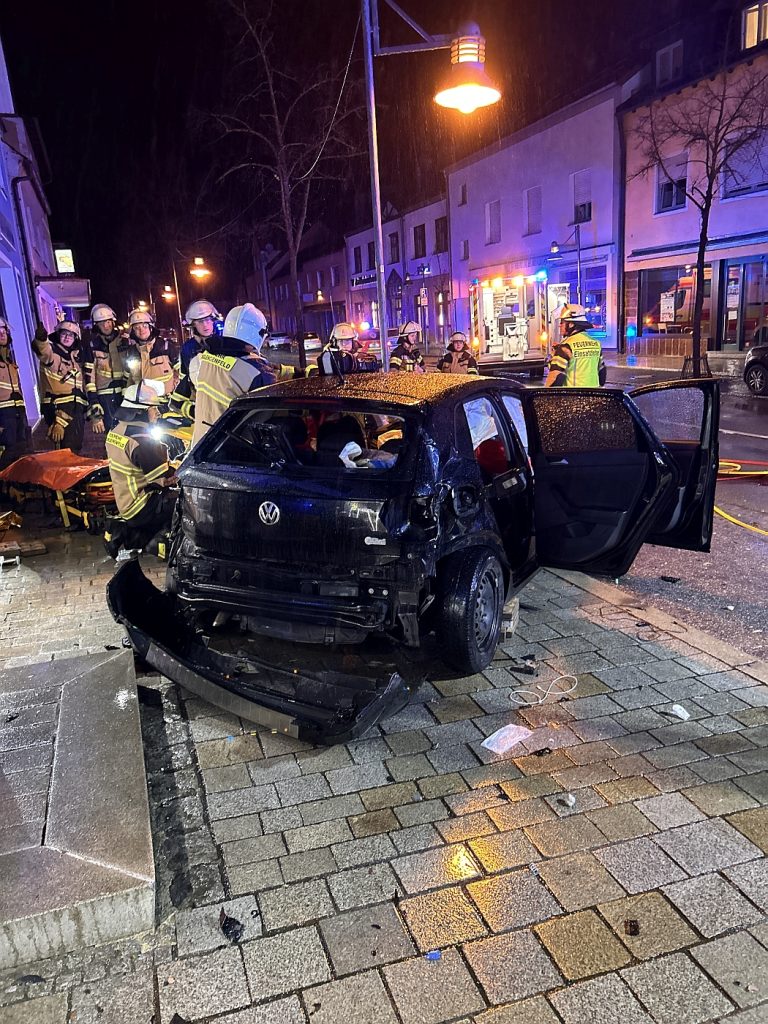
(501, 740)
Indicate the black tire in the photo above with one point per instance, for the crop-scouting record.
(472, 606)
(756, 379)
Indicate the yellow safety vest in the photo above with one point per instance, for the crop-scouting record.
(220, 380)
(129, 483)
(583, 369)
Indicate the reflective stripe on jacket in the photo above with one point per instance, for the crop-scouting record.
(580, 359)
(218, 381)
(461, 361)
(62, 377)
(109, 367)
(401, 358)
(134, 463)
(10, 387)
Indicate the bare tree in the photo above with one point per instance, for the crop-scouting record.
(721, 122)
(289, 129)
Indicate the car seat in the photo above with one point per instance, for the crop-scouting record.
(333, 435)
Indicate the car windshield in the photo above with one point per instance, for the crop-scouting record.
(349, 439)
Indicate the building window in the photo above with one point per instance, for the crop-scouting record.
(463, 194)
(493, 222)
(666, 297)
(671, 183)
(371, 255)
(335, 276)
(754, 25)
(669, 63)
(532, 207)
(441, 234)
(394, 247)
(357, 256)
(419, 241)
(582, 196)
(746, 170)
(464, 250)
(320, 280)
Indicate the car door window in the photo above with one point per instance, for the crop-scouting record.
(675, 415)
(514, 407)
(489, 444)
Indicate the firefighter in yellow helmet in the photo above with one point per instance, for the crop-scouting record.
(458, 357)
(139, 470)
(577, 361)
(62, 358)
(405, 355)
(152, 359)
(340, 354)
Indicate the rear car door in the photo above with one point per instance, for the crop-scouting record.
(604, 483)
(685, 416)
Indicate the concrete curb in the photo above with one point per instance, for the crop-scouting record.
(704, 642)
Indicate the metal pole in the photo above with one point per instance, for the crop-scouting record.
(373, 152)
(178, 302)
(578, 264)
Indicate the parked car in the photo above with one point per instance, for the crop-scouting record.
(756, 369)
(278, 342)
(312, 342)
(323, 512)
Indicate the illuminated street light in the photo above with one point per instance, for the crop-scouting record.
(199, 269)
(467, 85)
(168, 293)
(467, 88)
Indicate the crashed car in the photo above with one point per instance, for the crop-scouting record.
(324, 510)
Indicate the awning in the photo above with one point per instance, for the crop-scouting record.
(67, 290)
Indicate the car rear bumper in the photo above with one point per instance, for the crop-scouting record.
(322, 707)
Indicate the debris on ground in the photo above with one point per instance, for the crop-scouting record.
(631, 927)
(231, 927)
(569, 800)
(679, 712)
(670, 579)
(434, 954)
(730, 607)
(503, 739)
(542, 751)
(526, 666)
(539, 693)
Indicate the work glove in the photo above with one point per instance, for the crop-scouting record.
(56, 432)
(41, 334)
(97, 425)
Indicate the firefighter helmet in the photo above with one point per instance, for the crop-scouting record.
(141, 316)
(410, 328)
(343, 335)
(101, 312)
(573, 314)
(200, 310)
(71, 326)
(458, 336)
(248, 324)
(143, 394)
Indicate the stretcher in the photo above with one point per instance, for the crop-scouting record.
(81, 487)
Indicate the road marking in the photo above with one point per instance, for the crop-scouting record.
(740, 433)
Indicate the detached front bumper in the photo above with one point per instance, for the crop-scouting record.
(321, 707)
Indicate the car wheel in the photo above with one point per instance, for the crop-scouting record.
(756, 379)
(473, 602)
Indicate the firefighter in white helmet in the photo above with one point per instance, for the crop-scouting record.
(201, 318)
(230, 366)
(577, 361)
(107, 367)
(458, 357)
(62, 358)
(340, 356)
(154, 355)
(405, 355)
(14, 429)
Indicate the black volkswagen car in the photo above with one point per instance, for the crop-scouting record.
(322, 511)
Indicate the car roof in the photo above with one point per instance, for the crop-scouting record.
(398, 388)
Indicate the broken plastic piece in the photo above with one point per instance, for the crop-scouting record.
(670, 579)
(231, 927)
(527, 666)
(569, 800)
(434, 954)
(679, 712)
(730, 607)
(542, 751)
(631, 927)
(500, 741)
(534, 870)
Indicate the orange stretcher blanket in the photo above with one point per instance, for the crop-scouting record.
(58, 470)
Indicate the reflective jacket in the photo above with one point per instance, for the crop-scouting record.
(10, 387)
(458, 361)
(345, 362)
(62, 378)
(219, 380)
(135, 462)
(402, 359)
(108, 365)
(154, 363)
(182, 398)
(577, 362)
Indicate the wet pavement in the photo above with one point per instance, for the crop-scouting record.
(610, 866)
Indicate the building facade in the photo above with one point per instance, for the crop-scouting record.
(533, 223)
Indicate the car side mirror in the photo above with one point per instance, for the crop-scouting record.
(465, 500)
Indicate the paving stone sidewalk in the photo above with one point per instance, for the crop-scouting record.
(609, 869)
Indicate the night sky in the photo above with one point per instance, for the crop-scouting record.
(122, 91)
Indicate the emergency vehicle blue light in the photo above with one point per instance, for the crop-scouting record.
(631, 331)
(541, 275)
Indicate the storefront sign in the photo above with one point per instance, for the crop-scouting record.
(667, 308)
(65, 261)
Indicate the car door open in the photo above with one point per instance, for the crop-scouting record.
(685, 416)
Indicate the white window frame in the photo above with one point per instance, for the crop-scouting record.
(761, 33)
(581, 195)
(493, 222)
(752, 190)
(662, 179)
(668, 53)
(532, 229)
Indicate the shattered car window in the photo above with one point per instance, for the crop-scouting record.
(318, 438)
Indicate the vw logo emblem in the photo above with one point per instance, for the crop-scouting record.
(269, 513)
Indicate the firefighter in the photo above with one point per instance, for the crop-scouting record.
(201, 318)
(230, 366)
(14, 429)
(107, 368)
(405, 355)
(577, 361)
(458, 358)
(139, 470)
(62, 383)
(340, 356)
(154, 362)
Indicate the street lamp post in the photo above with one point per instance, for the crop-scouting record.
(555, 249)
(466, 88)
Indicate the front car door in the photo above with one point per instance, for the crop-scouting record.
(604, 481)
